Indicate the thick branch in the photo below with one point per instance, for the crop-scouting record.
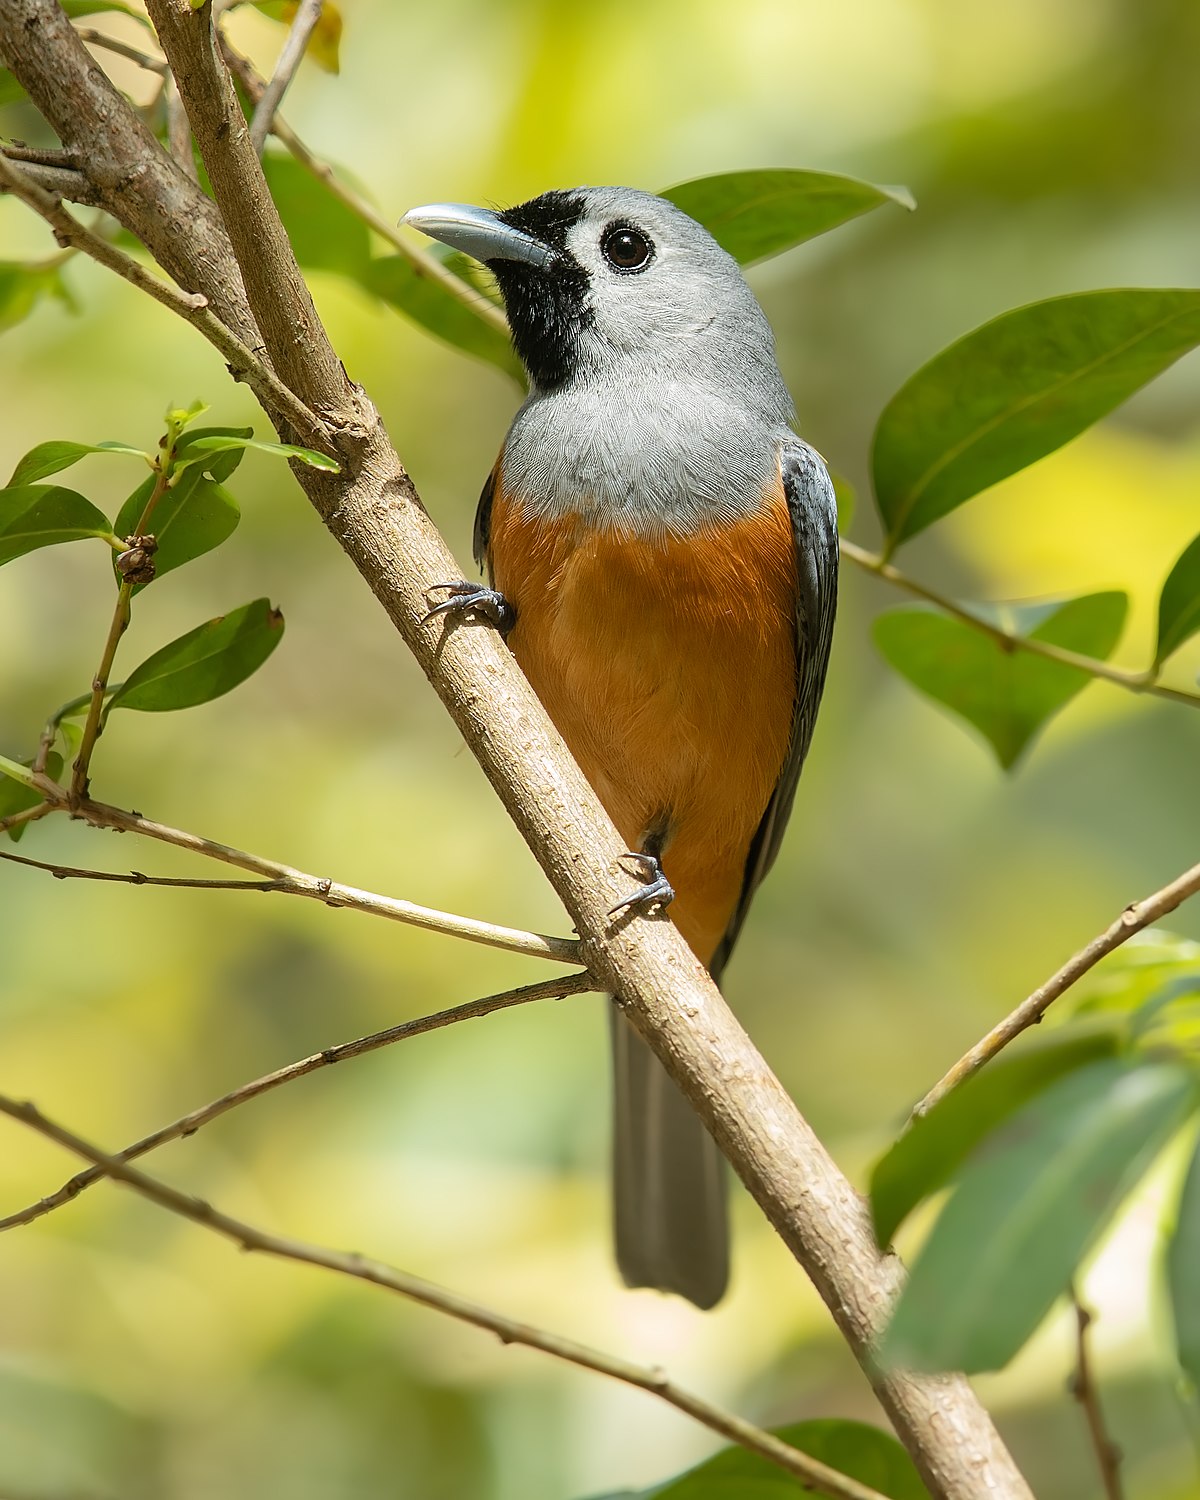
(811, 1471)
(1134, 918)
(133, 177)
(373, 511)
(548, 989)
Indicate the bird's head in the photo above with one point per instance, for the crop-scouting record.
(612, 283)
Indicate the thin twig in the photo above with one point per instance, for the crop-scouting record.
(292, 882)
(1133, 682)
(1133, 919)
(1083, 1388)
(26, 815)
(114, 44)
(547, 989)
(243, 363)
(420, 260)
(810, 1471)
(291, 55)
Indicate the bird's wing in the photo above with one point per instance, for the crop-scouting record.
(483, 517)
(810, 498)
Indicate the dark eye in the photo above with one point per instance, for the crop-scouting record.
(626, 249)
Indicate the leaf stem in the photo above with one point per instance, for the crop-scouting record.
(1134, 682)
(18, 772)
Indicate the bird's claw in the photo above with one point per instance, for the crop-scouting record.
(467, 597)
(656, 890)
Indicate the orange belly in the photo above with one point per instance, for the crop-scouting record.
(669, 667)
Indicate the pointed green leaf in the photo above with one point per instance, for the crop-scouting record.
(204, 663)
(325, 235)
(41, 515)
(1183, 1272)
(926, 1157)
(1007, 693)
(1125, 980)
(757, 214)
(179, 417)
(1031, 1202)
(201, 447)
(21, 288)
(52, 458)
(855, 1449)
(1179, 603)
(16, 796)
(192, 517)
(1016, 389)
(427, 302)
(223, 465)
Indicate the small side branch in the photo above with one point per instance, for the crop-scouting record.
(1134, 682)
(290, 58)
(243, 363)
(816, 1475)
(548, 989)
(283, 879)
(1083, 1388)
(1133, 919)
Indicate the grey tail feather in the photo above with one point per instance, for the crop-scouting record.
(669, 1214)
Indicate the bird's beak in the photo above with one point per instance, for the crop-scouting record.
(479, 233)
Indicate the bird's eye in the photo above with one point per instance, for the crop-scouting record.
(626, 249)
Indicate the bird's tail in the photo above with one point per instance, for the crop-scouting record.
(669, 1213)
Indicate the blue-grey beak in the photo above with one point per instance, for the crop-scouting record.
(479, 233)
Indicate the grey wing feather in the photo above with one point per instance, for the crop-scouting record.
(813, 507)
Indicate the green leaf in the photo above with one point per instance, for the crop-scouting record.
(325, 235)
(757, 214)
(41, 515)
(1179, 603)
(52, 458)
(200, 447)
(1183, 1272)
(326, 35)
(192, 517)
(179, 417)
(856, 1449)
(15, 796)
(1016, 389)
(1124, 981)
(22, 287)
(427, 302)
(1007, 693)
(931, 1150)
(1031, 1202)
(223, 466)
(204, 663)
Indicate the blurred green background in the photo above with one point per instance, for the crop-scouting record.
(1051, 145)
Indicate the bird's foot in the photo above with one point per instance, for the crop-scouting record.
(655, 891)
(465, 597)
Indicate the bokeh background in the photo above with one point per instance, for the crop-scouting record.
(1051, 145)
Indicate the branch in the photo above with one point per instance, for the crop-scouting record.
(373, 511)
(1133, 919)
(95, 38)
(1134, 682)
(548, 989)
(308, 13)
(243, 363)
(426, 264)
(285, 880)
(1083, 1388)
(810, 1471)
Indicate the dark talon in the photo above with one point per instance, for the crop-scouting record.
(474, 598)
(656, 891)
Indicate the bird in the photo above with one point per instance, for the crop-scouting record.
(661, 555)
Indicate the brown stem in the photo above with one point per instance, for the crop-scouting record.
(547, 989)
(1134, 918)
(308, 13)
(814, 1474)
(1083, 1388)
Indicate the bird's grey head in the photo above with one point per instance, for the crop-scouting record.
(605, 284)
